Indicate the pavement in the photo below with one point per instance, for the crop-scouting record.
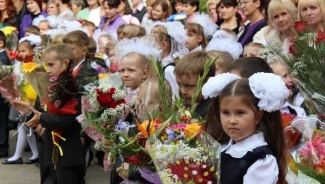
(29, 174)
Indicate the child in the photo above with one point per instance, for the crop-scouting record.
(131, 30)
(134, 63)
(32, 30)
(248, 124)
(4, 112)
(190, 8)
(90, 27)
(78, 41)
(177, 13)
(223, 62)
(26, 52)
(252, 49)
(199, 31)
(105, 41)
(246, 67)
(170, 37)
(187, 72)
(60, 120)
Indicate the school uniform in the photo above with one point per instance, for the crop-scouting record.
(4, 114)
(203, 107)
(139, 12)
(248, 161)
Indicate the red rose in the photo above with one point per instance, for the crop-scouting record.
(112, 91)
(113, 68)
(320, 37)
(300, 26)
(293, 50)
(104, 99)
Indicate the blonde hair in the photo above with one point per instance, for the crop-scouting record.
(58, 39)
(159, 32)
(60, 52)
(131, 31)
(224, 59)
(301, 3)
(193, 64)
(143, 62)
(209, 2)
(282, 4)
(111, 41)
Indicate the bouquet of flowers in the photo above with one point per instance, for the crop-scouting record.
(306, 62)
(102, 107)
(35, 73)
(11, 41)
(183, 153)
(8, 82)
(309, 156)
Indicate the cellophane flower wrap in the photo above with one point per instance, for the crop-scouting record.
(8, 82)
(308, 158)
(35, 73)
(183, 153)
(102, 106)
(12, 40)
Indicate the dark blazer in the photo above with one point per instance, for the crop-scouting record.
(72, 147)
(86, 75)
(6, 61)
(139, 14)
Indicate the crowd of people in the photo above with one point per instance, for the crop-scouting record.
(86, 38)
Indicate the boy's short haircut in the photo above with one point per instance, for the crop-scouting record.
(254, 44)
(131, 31)
(3, 39)
(33, 29)
(224, 59)
(250, 65)
(61, 52)
(193, 64)
(77, 37)
(89, 24)
(58, 39)
(192, 3)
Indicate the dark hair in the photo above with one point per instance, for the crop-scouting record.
(270, 124)
(3, 38)
(227, 3)
(250, 65)
(65, 1)
(192, 3)
(127, 8)
(113, 3)
(77, 37)
(173, 4)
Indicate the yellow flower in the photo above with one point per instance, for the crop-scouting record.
(44, 66)
(30, 94)
(8, 30)
(29, 67)
(101, 75)
(192, 129)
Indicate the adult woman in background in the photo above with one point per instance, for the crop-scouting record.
(252, 9)
(229, 18)
(313, 12)
(76, 6)
(7, 11)
(160, 11)
(282, 14)
(211, 7)
(125, 12)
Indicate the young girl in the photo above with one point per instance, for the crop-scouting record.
(252, 49)
(170, 37)
(63, 148)
(25, 49)
(134, 63)
(245, 118)
(44, 24)
(199, 31)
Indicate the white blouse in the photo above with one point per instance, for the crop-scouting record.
(265, 170)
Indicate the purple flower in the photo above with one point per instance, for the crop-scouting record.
(52, 79)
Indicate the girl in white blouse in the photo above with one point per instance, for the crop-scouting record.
(245, 118)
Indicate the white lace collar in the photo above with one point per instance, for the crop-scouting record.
(199, 48)
(168, 59)
(240, 149)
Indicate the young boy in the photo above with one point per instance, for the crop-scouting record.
(246, 67)
(223, 62)
(32, 30)
(187, 71)
(4, 108)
